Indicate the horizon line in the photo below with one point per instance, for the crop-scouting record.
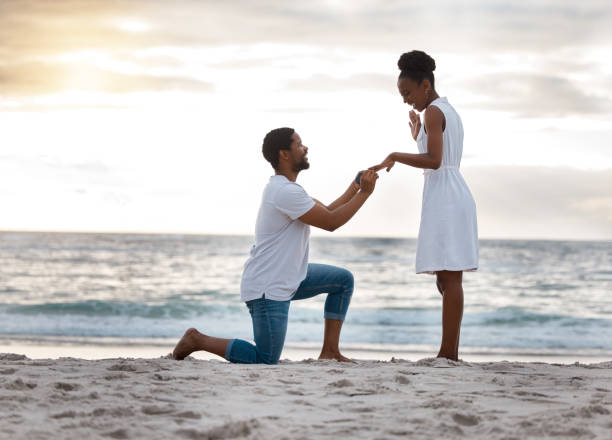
(243, 234)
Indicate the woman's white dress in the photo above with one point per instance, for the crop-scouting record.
(448, 235)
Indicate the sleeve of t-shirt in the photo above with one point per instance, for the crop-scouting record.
(292, 200)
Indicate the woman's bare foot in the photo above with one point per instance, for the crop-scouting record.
(334, 355)
(450, 357)
(190, 342)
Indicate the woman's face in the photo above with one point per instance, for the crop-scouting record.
(414, 94)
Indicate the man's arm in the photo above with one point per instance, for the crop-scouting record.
(344, 198)
(322, 217)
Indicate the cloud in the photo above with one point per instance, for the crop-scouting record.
(42, 78)
(533, 202)
(28, 27)
(551, 32)
(362, 81)
(535, 95)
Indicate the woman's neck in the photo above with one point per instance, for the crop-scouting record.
(432, 98)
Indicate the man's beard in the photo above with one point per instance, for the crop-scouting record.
(302, 165)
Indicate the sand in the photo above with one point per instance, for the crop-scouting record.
(161, 398)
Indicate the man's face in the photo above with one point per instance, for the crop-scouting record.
(299, 154)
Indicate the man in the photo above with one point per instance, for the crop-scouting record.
(277, 271)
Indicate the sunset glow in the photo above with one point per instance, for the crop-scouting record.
(145, 116)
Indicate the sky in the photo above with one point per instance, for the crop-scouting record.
(148, 116)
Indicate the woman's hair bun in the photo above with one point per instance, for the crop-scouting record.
(416, 61)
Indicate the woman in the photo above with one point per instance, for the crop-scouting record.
(448, 235)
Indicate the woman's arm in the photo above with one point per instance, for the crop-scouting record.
(434, 126)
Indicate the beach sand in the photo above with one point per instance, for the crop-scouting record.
(211, 399)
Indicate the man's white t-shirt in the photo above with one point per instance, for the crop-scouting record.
(279, 257)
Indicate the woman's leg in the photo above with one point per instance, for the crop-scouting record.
(450, 283)
(269, 330)
(338, 283)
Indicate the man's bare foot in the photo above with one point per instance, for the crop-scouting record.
(334, 355)
(187, 345)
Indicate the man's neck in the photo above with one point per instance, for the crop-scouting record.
(289, 174)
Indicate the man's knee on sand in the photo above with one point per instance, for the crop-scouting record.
(268, 353)
(271, 360)
(268, 358)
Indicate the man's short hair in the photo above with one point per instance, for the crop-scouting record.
(276, 140)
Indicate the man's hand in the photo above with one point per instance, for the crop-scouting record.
(368, 181)
(340, 211)
(415, 124)
(357, 181)
(387, 163)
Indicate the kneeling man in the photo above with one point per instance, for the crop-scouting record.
(277, 271)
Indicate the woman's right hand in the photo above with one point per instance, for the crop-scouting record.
(415, 124)
(387, 163)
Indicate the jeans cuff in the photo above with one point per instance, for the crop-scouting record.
(228, 349)
(336, 316)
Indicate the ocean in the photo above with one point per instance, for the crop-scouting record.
(536, 298)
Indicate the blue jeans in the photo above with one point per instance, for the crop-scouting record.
(270, 317)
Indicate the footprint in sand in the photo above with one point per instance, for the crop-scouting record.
(64, 386)
(122, 367)
(498, 381)
(229, 430)
(441, 403)
(154, 410)
(113, 412)
(465, 419)
(362, 409)
(118, 433)
(162, 377)
(64, 415)
(120, 376)
(342, 383)
(295, 392)
(402, 380)
(188, 415)
(302, 402)
(290, 382)
(19, 384)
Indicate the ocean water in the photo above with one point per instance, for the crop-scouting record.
(532, 297)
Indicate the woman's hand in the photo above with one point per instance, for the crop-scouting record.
(415, 124)
(387, 163)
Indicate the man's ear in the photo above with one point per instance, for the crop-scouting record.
(283, 154)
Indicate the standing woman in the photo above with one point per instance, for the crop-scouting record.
(448, 235)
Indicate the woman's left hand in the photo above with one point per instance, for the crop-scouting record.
(387, 163)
